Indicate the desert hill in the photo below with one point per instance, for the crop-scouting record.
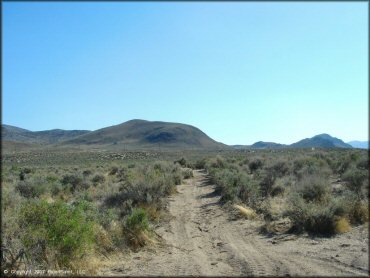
(267, 145)
(320, 141)
(16, 134)
(359, 144)
(147, 134)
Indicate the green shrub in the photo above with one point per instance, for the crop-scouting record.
(342, 165)
(317, 218)
(277, 190)
(229, 193)
(313, 188)
(137, 220)
(159, 167)
(223, 179)
(56, 188)
(310, 166)
(52, 179)
(355, 179)
(358, 212)
(137, 228)
(86, 173)
(22, 176)
(249, 192)
(29, 189)
(148, 185)
(113, 170)
(255, 164)
(187, 173)
(100, 215)
(363, 163)
(177, 178)
(217, 162)
(122, 174)
(200, 164)
(284, 182)
(182, 162)
(267, 181)
(279, 169)
(98, 178)
(59, 230)
(357, 209)
(24, 172)
(73, 180)
(234, 185)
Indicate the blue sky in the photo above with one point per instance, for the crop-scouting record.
(241, 72)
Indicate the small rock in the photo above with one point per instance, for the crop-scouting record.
(363, 249)
(337, 255)
(345, 245)
(213, 263)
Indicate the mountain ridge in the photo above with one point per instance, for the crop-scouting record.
(138, 133)
(16, 134)
(323, 140)
(359, 144)
(267, 145)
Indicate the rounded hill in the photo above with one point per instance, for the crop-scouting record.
(147, 134)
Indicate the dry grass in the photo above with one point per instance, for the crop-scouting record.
(153, 210)
(273, 208)
(89, 264)
(104, 239)
(140, 239)
(277, 227)
(246, 212)
(342, 226)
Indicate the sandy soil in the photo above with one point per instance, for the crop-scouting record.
(200, 238)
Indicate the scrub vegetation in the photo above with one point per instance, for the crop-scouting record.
(320, 192)
(56, 217)
(63, 215)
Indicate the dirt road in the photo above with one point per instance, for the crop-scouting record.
(202, 239)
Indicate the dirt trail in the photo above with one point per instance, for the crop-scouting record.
(202, 239)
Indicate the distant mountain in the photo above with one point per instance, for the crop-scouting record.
(267, 145)
(359, 144)
(320, 141)
(147, 134)
(240, 147)
(16, 134)
(141, 134)
(58, 135)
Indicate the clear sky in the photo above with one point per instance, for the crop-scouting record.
(241, 72)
